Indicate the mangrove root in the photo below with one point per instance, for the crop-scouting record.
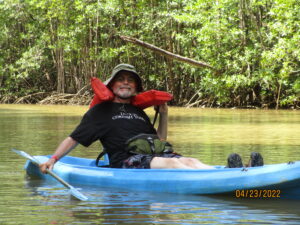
(82, 97)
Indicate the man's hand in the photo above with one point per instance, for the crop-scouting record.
(47, 165)
(162, 109)
(162, 130)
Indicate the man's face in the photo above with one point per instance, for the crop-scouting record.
(124, 85)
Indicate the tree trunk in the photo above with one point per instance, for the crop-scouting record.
(242, 17)
(60, 70)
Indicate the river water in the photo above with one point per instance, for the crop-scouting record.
(207, 134)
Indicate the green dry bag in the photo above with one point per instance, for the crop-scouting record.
(148, 144)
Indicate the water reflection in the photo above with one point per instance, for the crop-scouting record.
(208, 134)
(115, 206)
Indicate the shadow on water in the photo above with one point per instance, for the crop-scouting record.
(116, 206)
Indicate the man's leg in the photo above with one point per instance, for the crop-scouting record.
(194, 163)
(177, 163)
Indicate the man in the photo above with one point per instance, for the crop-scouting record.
(113, 123)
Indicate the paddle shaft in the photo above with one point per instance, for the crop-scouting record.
(55, 176)
(155, 116)
(73, 190)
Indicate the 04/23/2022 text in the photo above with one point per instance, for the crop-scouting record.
(258, 193)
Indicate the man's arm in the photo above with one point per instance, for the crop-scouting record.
(162, 130)
(63, 149)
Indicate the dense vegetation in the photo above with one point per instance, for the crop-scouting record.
(57, 45)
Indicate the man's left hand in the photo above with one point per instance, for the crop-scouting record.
(162, 109)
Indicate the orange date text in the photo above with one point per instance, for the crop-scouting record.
(258, 193)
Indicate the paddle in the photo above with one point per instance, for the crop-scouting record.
(156, 114)
(73, 191)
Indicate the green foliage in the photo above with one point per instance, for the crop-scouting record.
(58, 45)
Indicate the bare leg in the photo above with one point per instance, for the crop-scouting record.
(194, 163)
(177, 163)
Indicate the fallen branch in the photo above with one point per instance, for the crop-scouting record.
(192, 98)
(194, 103)
(84, 89)
(166, 53)
(294, 72)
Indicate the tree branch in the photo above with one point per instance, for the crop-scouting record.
(166, 53)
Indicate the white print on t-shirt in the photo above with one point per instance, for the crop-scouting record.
(129, 116)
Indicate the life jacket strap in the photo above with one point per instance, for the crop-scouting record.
(99, 157)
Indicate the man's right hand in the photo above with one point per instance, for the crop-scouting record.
(47, 165)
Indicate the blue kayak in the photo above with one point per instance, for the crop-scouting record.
(277, 179)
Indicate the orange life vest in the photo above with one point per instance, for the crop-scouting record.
(142, 100)
(150, 98)
(101, 92)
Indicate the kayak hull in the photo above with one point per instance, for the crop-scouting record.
(283, 178)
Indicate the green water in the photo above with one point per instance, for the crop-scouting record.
(212, 134)
(207, 134)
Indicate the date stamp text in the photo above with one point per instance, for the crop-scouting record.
(258, 193)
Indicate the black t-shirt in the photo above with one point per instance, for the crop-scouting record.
(113, 124)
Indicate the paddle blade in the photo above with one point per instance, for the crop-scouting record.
(26, 155)
(75, 193)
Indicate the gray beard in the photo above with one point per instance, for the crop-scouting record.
(124, 95)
